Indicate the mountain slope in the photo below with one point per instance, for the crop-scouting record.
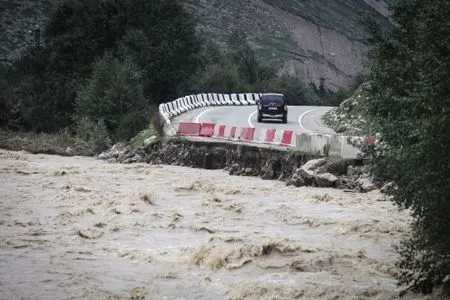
(314, 38)
(321, 41)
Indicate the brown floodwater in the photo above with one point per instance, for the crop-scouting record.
(81, 228)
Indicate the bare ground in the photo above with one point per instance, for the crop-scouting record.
(76, 227)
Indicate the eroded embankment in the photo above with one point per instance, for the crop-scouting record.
(249, 160)
(214, 155)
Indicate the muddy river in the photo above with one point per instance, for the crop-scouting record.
(81, 228)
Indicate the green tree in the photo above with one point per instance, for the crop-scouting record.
(410, 108)
(243, 56)
(230, 69)
(78, 32)
(165, 44)
(220, 78)
(114, 94)
(296, 91)
(158, 35)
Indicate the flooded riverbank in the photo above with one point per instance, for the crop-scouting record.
(76, 227)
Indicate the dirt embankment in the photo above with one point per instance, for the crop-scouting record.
(77, 227)
(209, 155)
(249, 160)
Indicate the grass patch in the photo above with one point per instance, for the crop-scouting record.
(139, 139)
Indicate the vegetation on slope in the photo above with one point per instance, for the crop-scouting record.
(407, 106)
(410, 82)
(350, 117)
(104, 64)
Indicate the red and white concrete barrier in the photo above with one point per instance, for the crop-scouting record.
(247, 134)
(207, 129)
(320, 144)
(189, 129)
(286, 139)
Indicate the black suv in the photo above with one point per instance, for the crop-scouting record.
(272, 106)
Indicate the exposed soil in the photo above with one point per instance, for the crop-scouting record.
(76, 227)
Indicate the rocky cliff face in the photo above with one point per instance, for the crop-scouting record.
(321, 41)
(318, 40)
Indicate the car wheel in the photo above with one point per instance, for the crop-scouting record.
(284, 119)
(259, 119)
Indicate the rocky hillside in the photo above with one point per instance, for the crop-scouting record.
(314, 38)
(318, 40)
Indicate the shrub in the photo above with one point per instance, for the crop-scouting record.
(130, 124)
(94, 134)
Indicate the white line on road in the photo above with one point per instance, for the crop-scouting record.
(250, 118)
(301, 117)
(202, 113)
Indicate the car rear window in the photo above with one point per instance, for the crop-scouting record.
(272, 99)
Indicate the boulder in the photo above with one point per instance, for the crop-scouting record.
(365, 185)
(325, 179)
(115, 152)
(307, 171)
(353, 171)
(296, 180)
(313, 164)
(337, 167)
(150, 143)
(387, 188)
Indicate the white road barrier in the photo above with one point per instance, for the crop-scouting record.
(250, 99)
(234, 99)
(227, 99)
(242, 99)
(222, 99)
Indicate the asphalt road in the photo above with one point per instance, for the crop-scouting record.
(300, 118)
